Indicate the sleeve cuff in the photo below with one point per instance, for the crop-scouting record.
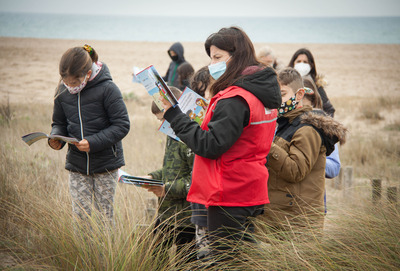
(276, 157)
(172, 113)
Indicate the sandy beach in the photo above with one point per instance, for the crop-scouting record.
(357, 74)
(29, 67)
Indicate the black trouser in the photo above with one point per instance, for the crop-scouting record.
(180, 236)
(227, 224)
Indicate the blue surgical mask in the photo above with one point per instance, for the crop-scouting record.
(218, 69)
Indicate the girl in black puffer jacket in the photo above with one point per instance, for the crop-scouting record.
(89, 106)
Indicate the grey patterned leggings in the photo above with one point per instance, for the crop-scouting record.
(97, 189)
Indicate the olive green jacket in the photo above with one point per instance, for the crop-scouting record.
(176, 175)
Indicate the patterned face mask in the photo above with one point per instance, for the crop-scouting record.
(75, 90)
(287, 106)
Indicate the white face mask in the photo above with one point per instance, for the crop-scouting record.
(303, 68)
(75, 90)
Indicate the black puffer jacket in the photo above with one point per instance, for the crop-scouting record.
(98, 114)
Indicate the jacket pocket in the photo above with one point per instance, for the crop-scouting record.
(281, 200)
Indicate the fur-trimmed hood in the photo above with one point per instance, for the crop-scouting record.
(331, 130)
(329, 126)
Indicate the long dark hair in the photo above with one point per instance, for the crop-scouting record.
(315, 98)
(236, 42)
(305, 51)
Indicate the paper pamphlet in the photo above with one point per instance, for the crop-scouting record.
(155, 86)
(138, 181)
(33, 137)
(191, 103)
(136, 70)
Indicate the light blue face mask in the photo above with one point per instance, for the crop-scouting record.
(218, 69)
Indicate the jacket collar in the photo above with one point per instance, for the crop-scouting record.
(292, 115)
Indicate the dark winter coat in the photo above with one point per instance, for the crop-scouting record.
(97, 114)
(172, 73)
(326, 103)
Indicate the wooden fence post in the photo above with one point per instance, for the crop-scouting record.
(392, 194)
(338, 182)
(347, 182)
(376, 190)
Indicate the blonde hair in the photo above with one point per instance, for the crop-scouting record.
(265, 51)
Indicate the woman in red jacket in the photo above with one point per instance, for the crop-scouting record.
(231, 145)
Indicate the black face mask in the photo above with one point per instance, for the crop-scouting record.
(174, 58)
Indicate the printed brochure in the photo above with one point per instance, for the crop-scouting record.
(138, 181)
(155, 86)
(191, 103)
(33, 137)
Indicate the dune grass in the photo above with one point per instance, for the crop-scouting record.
(40, 233)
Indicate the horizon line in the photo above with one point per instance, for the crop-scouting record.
(201, 16)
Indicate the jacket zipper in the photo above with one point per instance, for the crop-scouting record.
(81, 124)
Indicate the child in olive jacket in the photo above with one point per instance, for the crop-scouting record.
(174, 210)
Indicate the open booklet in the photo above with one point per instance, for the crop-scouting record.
(33, 137)
(138, 181)
(155, 86)
(191, 103)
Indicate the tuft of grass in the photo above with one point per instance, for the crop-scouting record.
(363, 238)
(372, 109)
(388, 102)
(373, 157)
(371, 113)
(131, 96)
(5, 112)
(395, 126)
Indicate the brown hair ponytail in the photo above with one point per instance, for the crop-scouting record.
(92, 53)
(76, 62)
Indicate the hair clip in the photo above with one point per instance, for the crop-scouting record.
(308, 90)
(88, 49)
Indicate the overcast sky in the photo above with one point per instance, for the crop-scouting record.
(267, 8)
